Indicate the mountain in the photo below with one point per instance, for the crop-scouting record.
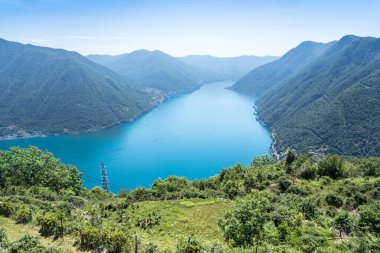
(104, 59)
(229, 68)
(268, 76)
(155, 71)
(330, 102)
(53, 91)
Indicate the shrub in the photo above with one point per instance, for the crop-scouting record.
(3, 238)
(308, 208)
(284, 184)
(331, 166)
(298, 190)
(194, 246)
(7, 209)
(344, 223)
(50, 224)
(245, 222)
(370, 217)
(309, 171)
(151, 248)
(23, 216)
(118, 241)
(334, 200)
(26, 244)
(90, 238)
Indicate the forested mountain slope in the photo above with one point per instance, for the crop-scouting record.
(53, 91)
(273, 74)
(330, 103)
(104, 59)
(157, 70)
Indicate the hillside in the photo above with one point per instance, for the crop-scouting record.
(53, 91)
(297, 205)
(329, 103)
(104, 59)
(226, 68)
(155, 70)
(265, 78)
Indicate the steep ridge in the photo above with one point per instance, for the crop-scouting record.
(159, 71)
(273, 74)
(331, 102)
(53, 91)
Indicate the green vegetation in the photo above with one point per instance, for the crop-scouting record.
(322, 97)
(155, 70)
(299, 204)
(53, 91)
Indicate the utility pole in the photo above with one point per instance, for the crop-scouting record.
(104, 176)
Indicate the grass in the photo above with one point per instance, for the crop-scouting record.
(15, 231)
(181, 219)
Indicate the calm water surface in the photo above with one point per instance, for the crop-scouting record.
(194, 136)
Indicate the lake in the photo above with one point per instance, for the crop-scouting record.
(195, 135)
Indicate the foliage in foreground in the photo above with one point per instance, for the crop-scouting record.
(332, 205)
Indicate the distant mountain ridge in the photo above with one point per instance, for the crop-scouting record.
(158, 70)
(268, 76)
(227, 68)
(154, 71)
(330, 102)
(54, 91)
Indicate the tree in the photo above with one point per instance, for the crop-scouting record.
(331, 166)
(344, 223)
(290, 157)
(370, 217)
(243, 225)
(3, 238)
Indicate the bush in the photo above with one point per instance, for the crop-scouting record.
(3, 238)
(151, 248)
(331, 166)
(194, 246)
(284, 184)
(344, 223)
(309, 172)
(50, 224)
(334, 200)
(298, 190)
(118, 241)
(308, 208)
(23, 216)
(245, 222)
(7, 209)
(370, 217)
(114, 241)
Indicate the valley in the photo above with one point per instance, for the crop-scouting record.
(189, 126)
(215, 125)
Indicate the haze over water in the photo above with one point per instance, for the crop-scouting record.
(194, 136)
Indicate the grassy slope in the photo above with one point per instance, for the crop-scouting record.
(180, 218)
(16, 231)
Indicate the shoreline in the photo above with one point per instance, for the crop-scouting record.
(159, 100)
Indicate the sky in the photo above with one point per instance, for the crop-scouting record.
(184, 27)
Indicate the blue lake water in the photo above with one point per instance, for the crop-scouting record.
(194, 135)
